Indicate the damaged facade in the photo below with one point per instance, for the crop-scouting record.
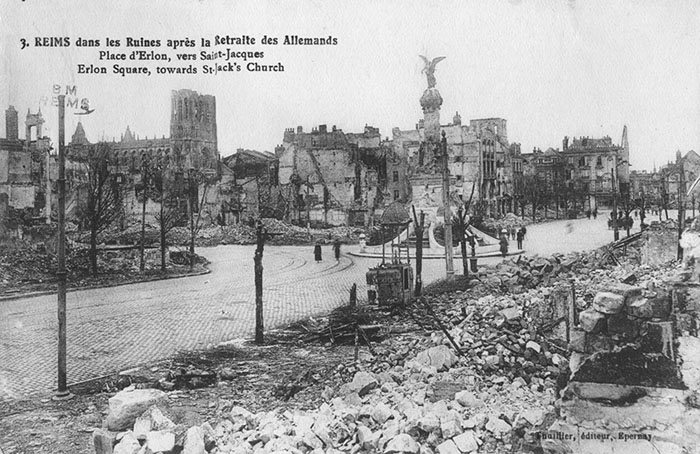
(585, 166)
(188, 160)
(479, 156)
(333, 177)
(250, 179)
(23, 163)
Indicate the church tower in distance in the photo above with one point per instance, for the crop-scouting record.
(193, 130)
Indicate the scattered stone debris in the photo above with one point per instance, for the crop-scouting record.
(27, 268)
(483, 369)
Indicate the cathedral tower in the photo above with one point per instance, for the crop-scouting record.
(193, 130)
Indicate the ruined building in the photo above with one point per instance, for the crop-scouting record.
(251, 180)
(189, 158)
(23, 164)
(192, 143)
(333, 177)
(482, 163)
(592, 168)
(671, 179)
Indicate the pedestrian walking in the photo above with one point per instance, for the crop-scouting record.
(588, 213)
(524, 229)
(503, 241)
(595, 212)
(519, 237)
(336, 249)
(317, 252)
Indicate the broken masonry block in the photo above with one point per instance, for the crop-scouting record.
(609, 302)
(577, 340)
(592, 321)
(627, 291)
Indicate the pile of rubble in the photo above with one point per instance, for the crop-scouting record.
(28, 268)
(214, 235)
(283, 234)
(398, 411)
(484, 377)
(288, 234)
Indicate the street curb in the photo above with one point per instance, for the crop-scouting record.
(93, 287)
(442, 256)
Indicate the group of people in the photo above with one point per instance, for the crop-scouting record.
(593, 212)
(512, 233)
(318, 252)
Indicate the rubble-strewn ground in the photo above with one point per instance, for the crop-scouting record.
(500, 387)
(30, 267)
(27, 269)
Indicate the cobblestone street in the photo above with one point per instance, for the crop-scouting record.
(116, 328)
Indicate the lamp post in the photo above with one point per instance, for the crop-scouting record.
(62, 392)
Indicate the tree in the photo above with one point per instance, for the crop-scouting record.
(169, 215)
(532, 193)
(145, 183)
(103, 199)
(196, 178)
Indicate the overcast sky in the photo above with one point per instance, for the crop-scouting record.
(551, 68)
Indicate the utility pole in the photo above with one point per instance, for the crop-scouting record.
(62, 393)
(446, 205)
(681, 207)
(616, 232)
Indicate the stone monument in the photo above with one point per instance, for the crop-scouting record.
(431, 102)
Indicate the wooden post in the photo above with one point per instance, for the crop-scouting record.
(260, 240)
(357, 344)
(353, 295)
(419, 250)
(571, 320)
(462, 217)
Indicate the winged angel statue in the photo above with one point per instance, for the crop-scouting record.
(429, 69)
